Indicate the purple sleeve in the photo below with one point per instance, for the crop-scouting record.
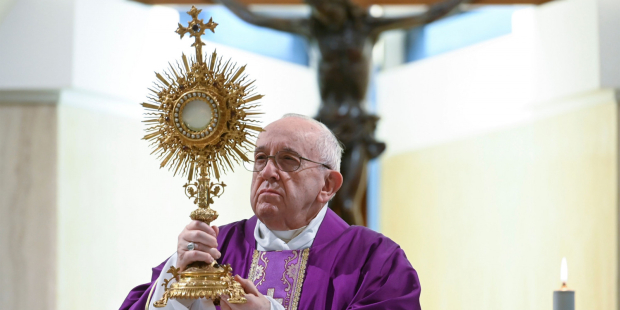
(136, 299)
(394, 285)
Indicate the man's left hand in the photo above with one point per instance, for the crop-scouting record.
(256, 300)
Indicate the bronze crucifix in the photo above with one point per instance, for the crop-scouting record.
(345, 34)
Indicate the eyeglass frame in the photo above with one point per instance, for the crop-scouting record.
(278, 166)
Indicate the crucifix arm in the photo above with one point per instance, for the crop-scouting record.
(293, 25)
(434, 12)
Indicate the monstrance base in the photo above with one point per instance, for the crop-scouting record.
(202, 280)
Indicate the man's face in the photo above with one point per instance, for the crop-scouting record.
(288, 200)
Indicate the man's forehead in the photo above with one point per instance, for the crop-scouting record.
(291, 141)
(263, 148)
(288, 134)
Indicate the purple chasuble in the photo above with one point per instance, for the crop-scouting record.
(348, 267)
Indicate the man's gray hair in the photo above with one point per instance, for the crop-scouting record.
(328, 145)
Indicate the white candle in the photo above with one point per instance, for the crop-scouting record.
(564, 299)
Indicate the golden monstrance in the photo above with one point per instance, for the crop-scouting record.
(199, 123)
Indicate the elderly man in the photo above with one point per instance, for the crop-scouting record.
(295, 253)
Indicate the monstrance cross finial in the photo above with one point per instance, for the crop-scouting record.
(196, 28)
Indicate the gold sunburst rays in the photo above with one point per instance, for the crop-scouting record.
(221, 84)
(230, 94)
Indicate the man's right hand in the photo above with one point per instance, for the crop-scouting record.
(205, 244)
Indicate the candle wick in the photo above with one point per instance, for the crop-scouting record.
(564, 286)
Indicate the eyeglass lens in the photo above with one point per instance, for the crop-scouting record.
(285, 161)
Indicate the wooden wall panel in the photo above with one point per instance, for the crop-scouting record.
(28, 206)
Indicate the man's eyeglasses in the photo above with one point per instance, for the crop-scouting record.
(286, 161)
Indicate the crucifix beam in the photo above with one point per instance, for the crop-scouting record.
(363, 3)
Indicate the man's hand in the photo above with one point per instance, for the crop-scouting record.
(205, 240)
(256, 300)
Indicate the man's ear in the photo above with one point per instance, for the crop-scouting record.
(333, 182)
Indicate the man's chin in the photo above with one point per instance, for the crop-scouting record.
(266, 211)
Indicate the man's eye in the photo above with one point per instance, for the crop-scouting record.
(260, 157)
(292, 160)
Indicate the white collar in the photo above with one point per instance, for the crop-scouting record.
(302, 238)
(287, 235)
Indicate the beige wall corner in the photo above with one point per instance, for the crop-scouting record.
(27, 203)
(486, 220)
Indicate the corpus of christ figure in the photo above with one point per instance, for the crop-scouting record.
(345, 34)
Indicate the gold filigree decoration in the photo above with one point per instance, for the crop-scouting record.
(257, 271)
(262, 270)
(290, 273)
(300, 279)
(253, 272)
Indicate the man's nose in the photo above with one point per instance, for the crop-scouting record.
(271, 170)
